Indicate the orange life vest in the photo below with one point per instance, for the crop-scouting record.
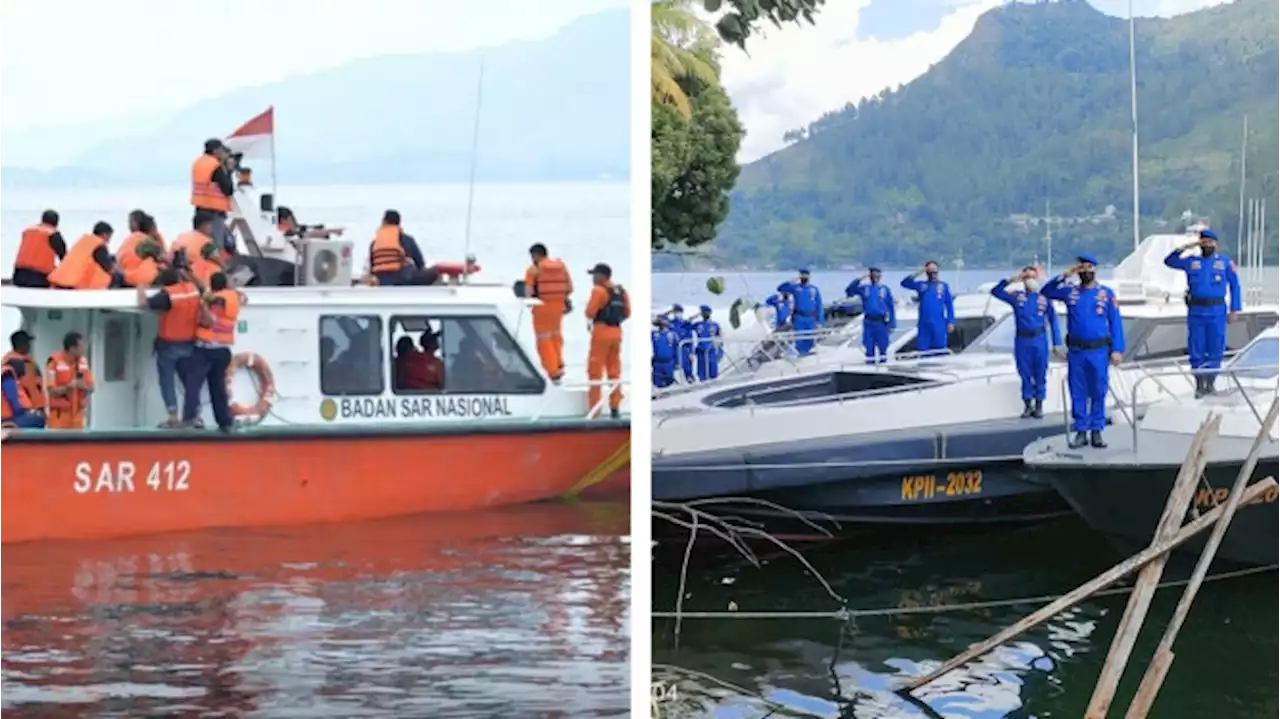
(192, 245)
(35, 253)
(62, 372)
(387, 255)
(551, 280)
(6, 410)
(223, 331)
(205, 193)
(138, 271)
(78, 270)
(32, 381)
(180, 321)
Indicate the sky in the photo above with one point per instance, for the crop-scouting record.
(132, 44)
(790, 76)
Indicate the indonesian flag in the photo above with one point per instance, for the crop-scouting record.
(255, 137)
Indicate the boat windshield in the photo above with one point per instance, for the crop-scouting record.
(1258, 359)
(1000, 336)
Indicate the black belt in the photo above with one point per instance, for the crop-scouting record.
(1030, 333)
(1076, 344)
(876, 318)
(1205, 301)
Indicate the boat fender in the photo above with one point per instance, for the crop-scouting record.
(255, 413)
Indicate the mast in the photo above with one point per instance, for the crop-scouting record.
(1133, 98)
(1244, 145)
(1048, 236)
(471, 184)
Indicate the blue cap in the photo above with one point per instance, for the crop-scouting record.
(1209, 234)
(804, 270)
(1087, 258)
(705, 308)
(677, 308)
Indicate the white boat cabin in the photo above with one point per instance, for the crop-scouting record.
(331, 352)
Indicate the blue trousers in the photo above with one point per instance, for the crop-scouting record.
(1031, 354)
(1207, 338)
(171, 360)
(664, 372)
(875, 341)
(209, 365)
(931, 337)
(801, 323)
(708, 363)
(29, 420)
(1087, 373)
(686, 362)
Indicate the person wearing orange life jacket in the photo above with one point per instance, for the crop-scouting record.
(548, 280)
(16, 407)
(26, 368)
(215, 337)
(88, 265)
(607, 309)
(143, 254)
(394, 257)
(70, 384)
(178, 301)
(41, 249)
(196, 251)
(212, 188)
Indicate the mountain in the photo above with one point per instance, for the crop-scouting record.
(554, 109)
(1032, 108)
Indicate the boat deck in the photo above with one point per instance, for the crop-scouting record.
(1154, 449)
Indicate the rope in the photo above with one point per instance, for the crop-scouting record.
(993, 459)
(848, 614)
(611, 464)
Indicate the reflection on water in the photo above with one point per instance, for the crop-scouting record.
(506, 613)
(1226, 652)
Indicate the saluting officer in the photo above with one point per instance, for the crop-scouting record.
(1095, 337)
(1208, 278)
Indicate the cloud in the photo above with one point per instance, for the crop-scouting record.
(790, 76)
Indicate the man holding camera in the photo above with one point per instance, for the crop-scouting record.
(211, 190)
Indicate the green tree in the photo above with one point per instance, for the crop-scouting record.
(680, 46)
(737, 24)
(694, 166)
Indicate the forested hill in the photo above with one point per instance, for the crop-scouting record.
(1032, 107)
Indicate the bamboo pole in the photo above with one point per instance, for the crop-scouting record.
(1154, 678)
(1253, 494)
(1144, 590)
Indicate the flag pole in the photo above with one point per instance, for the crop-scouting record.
(275, 200)
(471, 185)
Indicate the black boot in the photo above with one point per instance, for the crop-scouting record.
(615, 414)
(1208, 386)
(1037, 411)
(1026, 408)
(1095, 439)
(1200, 388)
(1079, 440)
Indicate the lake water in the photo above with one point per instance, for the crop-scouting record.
(515, 612)
(583, 223)
(1226, 665)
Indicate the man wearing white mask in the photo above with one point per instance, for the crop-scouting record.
(1031, 312)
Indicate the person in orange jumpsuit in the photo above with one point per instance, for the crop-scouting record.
(41, 249)
(548, 280)
(26, 369)
(607, 309)
(70, 384)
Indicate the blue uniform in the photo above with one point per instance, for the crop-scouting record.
(22, 417)
(1094, 331)
(708, 331)
(782, 305)
(937, 310)
(665, 343)
(808, 313)
(684, 335)
(878, 318)
(1031, 312)
(1208, 279)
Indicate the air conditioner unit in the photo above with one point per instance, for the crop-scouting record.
(325, 263)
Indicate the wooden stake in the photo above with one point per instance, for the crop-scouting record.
(1154, 678)
(1253, 494)
(1144, 590)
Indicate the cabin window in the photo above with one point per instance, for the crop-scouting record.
(351, 361)
(115, 350)
(458, 355)
(967, 329)
(1166, 340)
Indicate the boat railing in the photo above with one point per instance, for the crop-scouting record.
(607, 386)
(1185, 371)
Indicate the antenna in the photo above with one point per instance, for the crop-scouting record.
(1244, 146)
(1133, 95)
(1048, 236)
(471, 184)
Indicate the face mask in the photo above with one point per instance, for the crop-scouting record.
(678, 316)
(804, 280)
(1206, 250)
(1031, 284)
(932, 275)
(1086, 278)
(875, 279)
(706, 315)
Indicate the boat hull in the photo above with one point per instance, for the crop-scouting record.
(1125, 504)
(93, 485)
(960, 474)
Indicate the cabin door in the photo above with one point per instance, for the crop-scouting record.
(117, 359)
